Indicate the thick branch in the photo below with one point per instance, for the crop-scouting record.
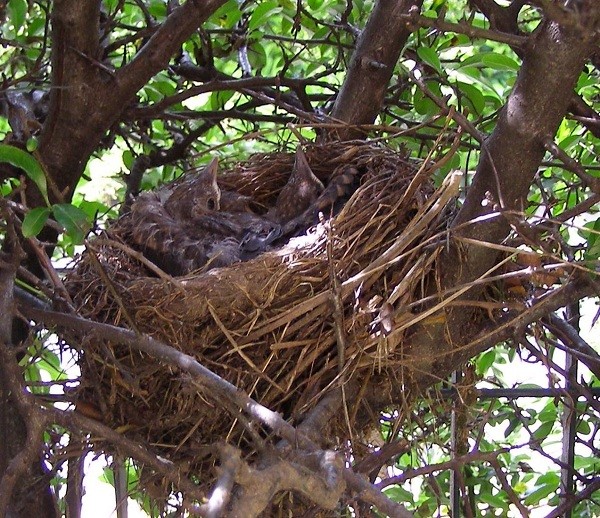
(75, 47)
(164, 467)
(164, 43)
(19, 469)
(86, 99)
(373, 62)
(571, 338)
(316, 476)
(511, 156)
(20, 427)
(509, 161)
(442, 358)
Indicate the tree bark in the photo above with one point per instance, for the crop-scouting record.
(372, 66)
(87, 98)
(510, 158)
(32, 496)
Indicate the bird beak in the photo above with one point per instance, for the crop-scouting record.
(300, 162)
(213, 168)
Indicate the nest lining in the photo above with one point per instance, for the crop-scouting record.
(265, 325)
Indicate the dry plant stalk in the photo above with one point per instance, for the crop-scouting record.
(266, 325)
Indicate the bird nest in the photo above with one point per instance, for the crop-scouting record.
(274, 326)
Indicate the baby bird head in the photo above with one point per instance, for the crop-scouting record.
(207, 194)
(301, 190)
(198, 195)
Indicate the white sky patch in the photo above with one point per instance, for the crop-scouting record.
(196, 102)
(103, 171)
(99, 497)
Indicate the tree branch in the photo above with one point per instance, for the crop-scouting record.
(372, 65)
(432, 358)
(163, 44)
(72, 130)
(218, 387)
(509, 161)
(512, 39)
(571, 338)
(21, 426)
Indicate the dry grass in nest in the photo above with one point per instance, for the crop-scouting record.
(266, 325)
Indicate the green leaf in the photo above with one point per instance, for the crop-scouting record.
(32, 373)
(591, 233)
(164, 86)
(152, 93)
(258, 56)
(17, 9)
(7, 186)
(429, 56)
(261, 13)
(34, 221)
(549, 413)
(32, 144)
(499, 61)
(158, 9)
(548, 478)
(315, 4)
(471, 61)
(93, 208)
(473, 95)
(495, 501)
(73, 220)
(547, 484)
(399, 494)
(586, 462)
(514, 424)
(219, 98)
(543, 430)
(423, 104)
(19, 158)
(50, 362)
(107, 476)
(227, 15)
(127, 158)
(485, 361)
(584, 428)
(437, 4)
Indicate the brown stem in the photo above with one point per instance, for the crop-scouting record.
(372, 65)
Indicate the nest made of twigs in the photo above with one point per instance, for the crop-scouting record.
(267, 325)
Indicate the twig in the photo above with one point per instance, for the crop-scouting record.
(34, 421)
(138, 256)
(460, 119)
(219, 387)
(336, 302)
(456, 462)
(572, 339)
(415, 19)
(559, 511)
(162, 466)
(507, 487)
(573, 165)
(221, 494)
(92, 254)
(578, 209)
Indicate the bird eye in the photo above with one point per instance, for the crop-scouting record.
(211, 204)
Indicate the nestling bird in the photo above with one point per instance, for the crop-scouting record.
(181, 228)
(192, 224)
(197, 195)
(301, 200)
(299, 193)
